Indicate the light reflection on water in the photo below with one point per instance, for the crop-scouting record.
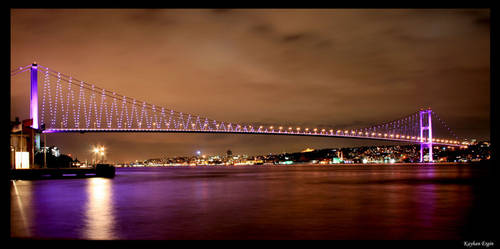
(19, 217)
(99, 209)
(249, 203)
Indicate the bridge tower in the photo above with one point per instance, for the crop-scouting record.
(425, 133)
(34, 105)
(34, 95)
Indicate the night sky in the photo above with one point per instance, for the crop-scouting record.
(309, 68)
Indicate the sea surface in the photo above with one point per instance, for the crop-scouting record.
(381, 202)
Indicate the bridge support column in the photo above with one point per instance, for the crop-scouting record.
(35, 136)
(34, 95)
(425, 133)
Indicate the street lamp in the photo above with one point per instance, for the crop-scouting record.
(95, 150)
(101, 150)
(98, 151)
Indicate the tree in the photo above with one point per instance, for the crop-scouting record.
(62, 161)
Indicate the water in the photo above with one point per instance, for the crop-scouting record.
(259, 202)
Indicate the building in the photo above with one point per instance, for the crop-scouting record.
(24, 141)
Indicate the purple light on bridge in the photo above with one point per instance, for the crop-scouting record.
(34, 95)
(428, 142)
(53, 131)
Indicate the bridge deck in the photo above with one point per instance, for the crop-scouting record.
(264, 132)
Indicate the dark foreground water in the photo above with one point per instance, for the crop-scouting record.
(265, 202)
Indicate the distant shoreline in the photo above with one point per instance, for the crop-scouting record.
(316, 165)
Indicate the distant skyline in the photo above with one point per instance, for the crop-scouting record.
(303, 67)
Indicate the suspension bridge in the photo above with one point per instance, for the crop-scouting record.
(67, 104)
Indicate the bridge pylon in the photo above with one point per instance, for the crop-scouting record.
(425, 133)
(34, 95)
